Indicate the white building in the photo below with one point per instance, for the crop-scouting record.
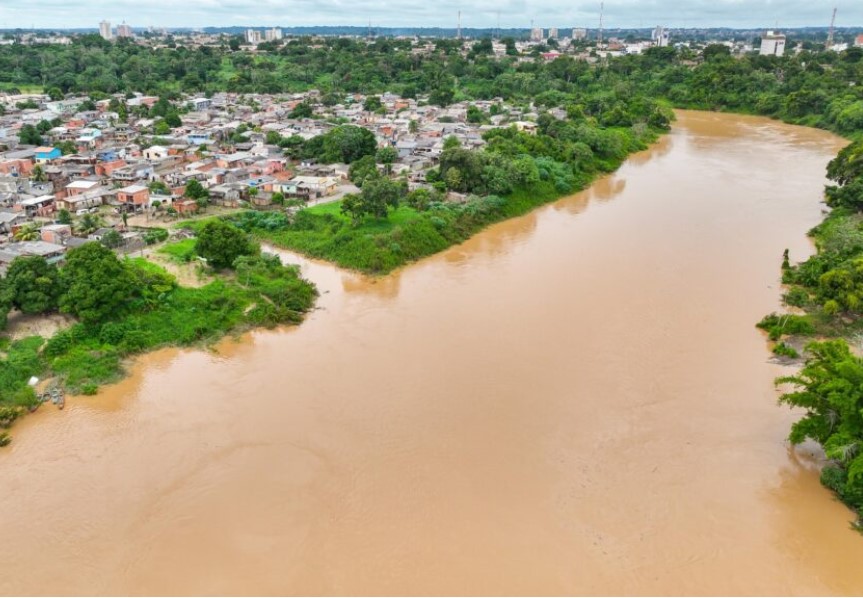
(105, 30)
(552, 33)
(536, 34)
(579, 34)
(124, 30)
(660, 36)
(253, 36)
(772, 44)
(273, 34)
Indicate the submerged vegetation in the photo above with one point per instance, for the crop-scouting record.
(125, 307)
(829, 288)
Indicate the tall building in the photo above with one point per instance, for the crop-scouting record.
(105, 30)
(659, 36)
(273, 34)
(536, 34)
(253, 36)
(772, 44)
(858, 41)
(124, 30)
(579, 34)
(552, 33)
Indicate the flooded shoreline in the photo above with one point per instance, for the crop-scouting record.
(574, 401)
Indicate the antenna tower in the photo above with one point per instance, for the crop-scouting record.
(459, 24)
(830, 34)
(601, 10)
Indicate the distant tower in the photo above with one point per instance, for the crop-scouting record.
(830, 34)
(601, 10)
(459, 25)
(105, 30)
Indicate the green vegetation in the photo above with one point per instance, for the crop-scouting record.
(384, 227)
(180, 252)
(830, 389)
(829, 287)
(126, 307)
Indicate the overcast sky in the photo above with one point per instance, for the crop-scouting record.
(432, 13)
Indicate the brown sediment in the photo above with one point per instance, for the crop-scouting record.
(572, 402)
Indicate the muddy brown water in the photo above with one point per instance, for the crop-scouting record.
(572, 402)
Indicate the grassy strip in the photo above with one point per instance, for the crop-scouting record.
(378, 246)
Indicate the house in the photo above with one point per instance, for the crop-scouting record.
(56, 233)
(37, 206)
(134, 172)
(156, 152)
(51, 252)
(80, 187)
(11, 219)
(134, 195)
(186, 206)
(47, 154)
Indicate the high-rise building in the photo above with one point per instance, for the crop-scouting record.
(536, 34)
(253, 36)
(105, 30)
(552, 33)
(660, 36)
(772, 44)
(273, 34)
(579, 34)
(124, 30)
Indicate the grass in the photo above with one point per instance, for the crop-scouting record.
(378, 246)
(181, 252)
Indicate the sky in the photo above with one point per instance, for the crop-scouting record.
(430, 13)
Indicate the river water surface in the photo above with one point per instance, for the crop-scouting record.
(575, 401)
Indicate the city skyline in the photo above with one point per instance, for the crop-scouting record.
(60, 14)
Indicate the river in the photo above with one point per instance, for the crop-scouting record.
(576, 401)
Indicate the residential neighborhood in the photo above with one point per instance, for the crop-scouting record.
(100, 167)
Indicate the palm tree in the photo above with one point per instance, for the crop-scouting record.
(38, 174)
(90, 223)
(28, 232)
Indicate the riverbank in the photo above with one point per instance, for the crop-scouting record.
(152, 311)
(379, 245)
(826, 290)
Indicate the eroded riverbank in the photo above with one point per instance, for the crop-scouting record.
(575, 401)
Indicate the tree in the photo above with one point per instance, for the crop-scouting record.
(347, 143)
(162, 128)
(33, 285)
(302, 110)
(90, 223)
(27, 232)
(377, 197)
(278, 198)
(194, 190)
(221, 243)
(38, 174)
(362, 170)
(98, 285)
(173, 120)
(112, 239)
(829, 389)
(372, 104)
(55, 93)
(386, 156)
(413, 126)
(273, 138)
(64, 217)
(716, 51)
(29, 135)
(67, 147)
(847, 165)
(451, 142)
